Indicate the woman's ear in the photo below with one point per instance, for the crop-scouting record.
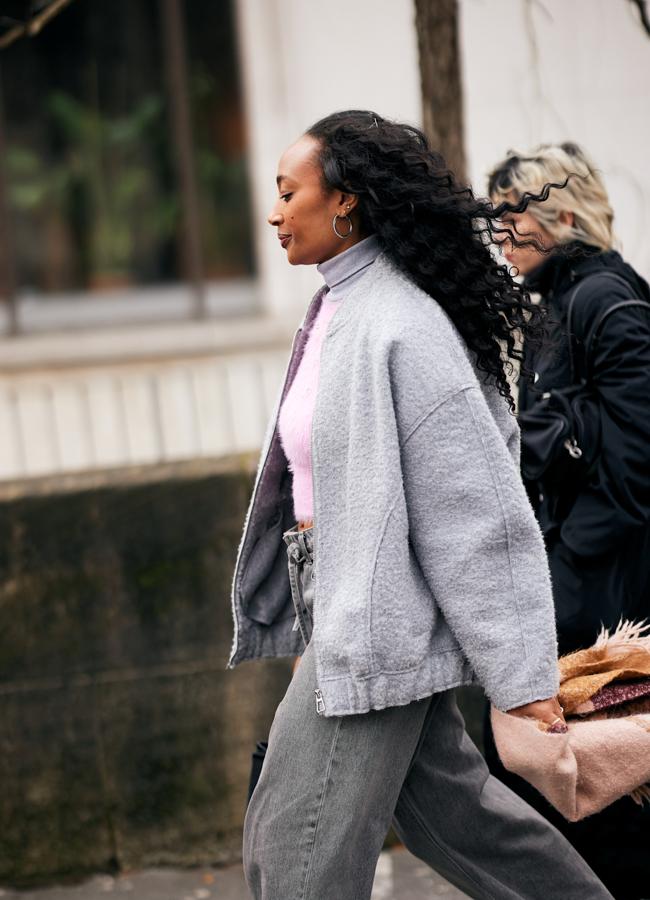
(566, 218)
(347, 202)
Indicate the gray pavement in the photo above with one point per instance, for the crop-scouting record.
(399, 875)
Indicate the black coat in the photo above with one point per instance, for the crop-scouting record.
(597, 528)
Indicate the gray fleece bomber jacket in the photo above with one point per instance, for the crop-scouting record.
(430, 570)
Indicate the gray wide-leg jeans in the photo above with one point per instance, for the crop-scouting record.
(330, 787)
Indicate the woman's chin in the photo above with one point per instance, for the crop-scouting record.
(292, 257)
(295, 258)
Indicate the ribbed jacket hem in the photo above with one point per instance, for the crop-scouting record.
(348, 695)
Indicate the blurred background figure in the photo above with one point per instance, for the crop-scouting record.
(591, 487)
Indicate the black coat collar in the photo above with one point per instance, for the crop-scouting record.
(562, 268)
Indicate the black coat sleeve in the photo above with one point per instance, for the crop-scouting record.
(617, 497)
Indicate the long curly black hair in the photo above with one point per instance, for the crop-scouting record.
(435, 230)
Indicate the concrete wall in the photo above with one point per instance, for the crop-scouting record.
(123, 741)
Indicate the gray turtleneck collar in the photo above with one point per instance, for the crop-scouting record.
(342, 271)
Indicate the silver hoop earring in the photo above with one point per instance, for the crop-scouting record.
(350, 226)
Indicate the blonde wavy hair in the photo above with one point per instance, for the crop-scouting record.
(584, 193)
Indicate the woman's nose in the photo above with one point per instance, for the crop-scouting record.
(274, 218)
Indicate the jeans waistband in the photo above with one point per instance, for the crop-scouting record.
(300, 550)
(300, 544)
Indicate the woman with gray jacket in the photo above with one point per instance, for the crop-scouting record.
(389, 477)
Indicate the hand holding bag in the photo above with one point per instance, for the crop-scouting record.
(605, 753)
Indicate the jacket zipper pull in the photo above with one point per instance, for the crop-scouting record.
(320, 703)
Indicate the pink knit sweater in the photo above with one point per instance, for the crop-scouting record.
(340, 274)
(298, 411)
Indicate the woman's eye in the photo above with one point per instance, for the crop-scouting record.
(285, 197)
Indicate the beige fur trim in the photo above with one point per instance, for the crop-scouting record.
(626, 636)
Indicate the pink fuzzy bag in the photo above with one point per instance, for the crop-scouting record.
(605, 753)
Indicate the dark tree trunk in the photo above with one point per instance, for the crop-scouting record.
(440, 74)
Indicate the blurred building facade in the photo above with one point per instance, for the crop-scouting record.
(124, 352)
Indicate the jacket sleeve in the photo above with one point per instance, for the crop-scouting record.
(477, 542)
(617, 498)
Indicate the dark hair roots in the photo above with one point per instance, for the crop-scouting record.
(435, 230)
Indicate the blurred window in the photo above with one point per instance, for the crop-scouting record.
(94, 194)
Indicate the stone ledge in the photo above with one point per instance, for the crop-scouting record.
(122, 476)
(143, 342)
